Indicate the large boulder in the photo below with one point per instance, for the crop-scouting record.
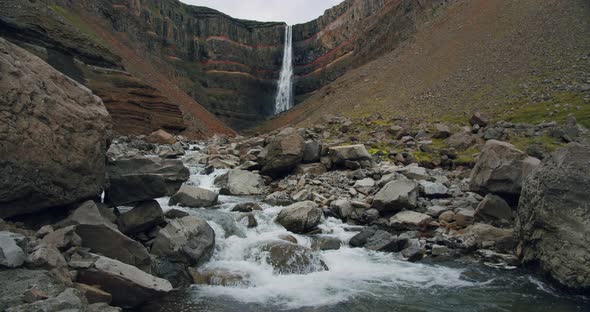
(142, 217)
(396, 196)
(410, 220)
(554, 217)
(128, 285)
(53, 136)
(142, 178)
(494, 209)
(289, 258)
(240, 182)
(188, 240)
(340, 154)
(194, 197)
(283, 153)
(501, 169)
(161, 137)
(11, 254)
(300, 217)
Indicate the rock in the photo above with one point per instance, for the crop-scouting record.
(365, 186)
(161, 137)
(128, 285)
(188, 240)
(300, 217)
(410, 220)
(439, 250)
(34, 294)
(436, 211)
(16, 282)
(68, 300)
(442, 131)
(139, 179)
(63, 239)
(11, 254)
(288, 238)
(385, 241)
(279, 198)
(340, 154)
(461, 140)
(315, 168)
(86, 213)
(433, 189)
(226, 220)
(312, 152)
(53, 136)
(169, 151)
(176, 214)
(553, 223)
(481, 235)
(44, 230)
(500, 170)
(194, 197)
(494, 209)
(288, 258)
(396, 195)
(94, 294)
(240, 182)
(247, 207)
(219, 277)
(361, 238)
(414, 253)
(479, 119)
(114, 244)
(341, 208)
(464, 217)
(143, 217)
(283, 153)
(248, 219)
(326, 243)
(46, 256)
(414, 172)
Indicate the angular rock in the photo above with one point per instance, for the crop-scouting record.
(240, 182)
(464, 217)
(53, 136)
(481, 235)
(288, 258)
(500, 170)
(396, 195)
(365, 186)
(16, 282)
(442, 131)
(283, 153)
(93, 294)
(219, 277)
(87, 213)
(161, 137)
(385, 241)
(494, 209)
(187, 240)
(340, 154)
(63, 239)
(143, 217)
(479, 119)
(326, 243)
(410, 220)
(300, 217)
(279, 198)
(312, 152)
(246, 207)
(342, 209)
(176, 214)
(69, 300)
(194, 197)
(142, 178)
(361, 238)
(128, 285)
(433, 189)
(11, 254)
(461, 140)
(553, 223)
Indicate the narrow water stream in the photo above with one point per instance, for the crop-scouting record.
(284, 99)
(357, 279)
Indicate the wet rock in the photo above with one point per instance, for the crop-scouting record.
(361, 238)
(240, 182)
(396, 195)
(414, 253)
(479, 235)
(176, 214)
(188, 240)
(500, 170)
(494, 209)
(11, 254)
(279, 198)
(385, 241)
(128, 285)
(226, 220)
(194, 197)
(288, 238)
(142, 178)
(283, 153)
(248, 219)
(288, 258)
(161, 137)
(247, 207)
(351, 153)
(44, 115)
(326, 243)
(300, 217)
(410, 220)
(554, 217)
(143, 217)
(439, 250)
(219, 277)
(490, 256)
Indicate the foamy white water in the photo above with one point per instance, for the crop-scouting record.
(284, 99)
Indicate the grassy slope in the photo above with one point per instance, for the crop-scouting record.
(522, 60)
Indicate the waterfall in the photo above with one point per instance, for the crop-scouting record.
(284, 99)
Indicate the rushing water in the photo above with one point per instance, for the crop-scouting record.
(284, 99)
(357, 280)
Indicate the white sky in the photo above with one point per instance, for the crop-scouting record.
(289, 11)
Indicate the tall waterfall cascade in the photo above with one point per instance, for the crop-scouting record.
(284, 100)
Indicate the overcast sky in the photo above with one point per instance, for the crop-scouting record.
(290, 11)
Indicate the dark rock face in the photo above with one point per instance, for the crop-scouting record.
(53, 136)
(554, 217)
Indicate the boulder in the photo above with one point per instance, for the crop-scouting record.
(494, 209)
(360, 239)
(479, 119)
(161, 137)
(326, 243)
(312, 152)
(114, 244)
(461, 140)
(145, 216)
(481, 235)
(187, 240)
(300, 217)
(385, 241)
(340, 154)
(176, 214)
(63, 239)
(279, 198)
(87, 213)
(365, 186)
(283, 153)
(433, 189)
(128, 285)
(553, 222)
(194, 197)
(11, 254)
(240, 182)
(246, 207)
(342, 209)
(289, 258)
(396, 195)
(219, 277)
(138, 179)
(442, 131)
(53, 136)
(410, 220)
(501, 169)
